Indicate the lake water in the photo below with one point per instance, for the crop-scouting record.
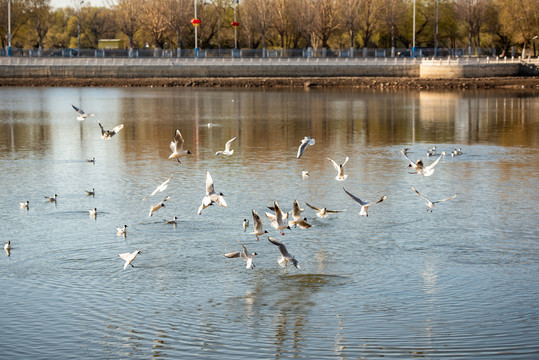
(459, 282)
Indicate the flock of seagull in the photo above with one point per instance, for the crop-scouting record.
(279, 219)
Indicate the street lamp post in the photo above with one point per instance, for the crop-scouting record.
(413, 33)
(436, 33)
(235, 30)
(9, 28)
(196, 35)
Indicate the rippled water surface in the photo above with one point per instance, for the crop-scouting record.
(459, 282)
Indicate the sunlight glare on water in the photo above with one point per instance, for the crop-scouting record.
(458, 282)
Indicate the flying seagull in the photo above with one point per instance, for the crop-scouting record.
(257, 225)
(419, 167)
(277, 219)
(298, 220)
(364, 204)
(285, 255)
(82, 115)
(108, 134)
(176, 146)
(227, 150)
(158, 206)
(430, 204)
(340, 169)
(245, 255)
(129, 258)
(306, 141)
(211, 196)
(160, 188)
(323, 212)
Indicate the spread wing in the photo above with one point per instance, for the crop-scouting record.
(118, 128)
(209, 183)
(361, 202)
(335, 165)
(312, 207)
(418, 193)
(78, 110)
(229, 143)
(452, 197)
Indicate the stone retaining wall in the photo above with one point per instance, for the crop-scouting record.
(215, 68)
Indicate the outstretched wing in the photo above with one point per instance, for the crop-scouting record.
(452, 197)
(78, 110)
(418, 193)
(358, 200)
(312, 207)
(229, 143)
(335, 165)
(209, 183)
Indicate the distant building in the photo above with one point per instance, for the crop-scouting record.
(111, 44)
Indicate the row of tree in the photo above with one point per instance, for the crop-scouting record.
(290, 24)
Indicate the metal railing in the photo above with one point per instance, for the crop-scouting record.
(360, 53)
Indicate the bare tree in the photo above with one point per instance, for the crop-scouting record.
(303, 22)
(349, 18)
(521, 19)
(281, 19)
(154, 20)
(472, 13)
(128, 15)
(369, 19)
(19, 17)
(261, 16)
(392, 13)
(40, 15)
(326, 20)
(178, 13)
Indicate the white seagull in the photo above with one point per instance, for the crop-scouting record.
(174, 221)
(107, 134)
(158, 206)
(160, 188)
(227, 150)
(245, 224)
(323, 212)
(245, 255)
(306, 141)
(285, 255)
(25, 205)
(257, 225)
(364, 204)
(121, 231)
(129, 258)
(92, 212)
(82, 115)
(420, 168)
(304, 174)
(298, 220)
(211, 196)
(52, 199)
(176, 146)
(90, 193)
(430, 204)
(7, 245)
(92, 160)
(277, 219)
(340, 169)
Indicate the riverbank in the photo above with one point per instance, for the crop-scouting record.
(528, 82)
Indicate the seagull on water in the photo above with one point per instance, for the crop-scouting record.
(93, 212)
(364, 204)
(174, 221)
(277, 219)
(25, 205)
(108, 134)
(419, 167)
(304, 174)
(211, 196)
(285, 255)
(52, 199)
(92, 160)
(160, 188)
(340, 169)
(176, 146)
(430, 204)
(306, 141)
(7, 245)
(323, 212)
(90, 193)
(82, 115)
(121, 230)
(227, 150)
(257, 225)
(158, 206)
(298, 220)
(129, 258)
(245, 255)
(245, 224)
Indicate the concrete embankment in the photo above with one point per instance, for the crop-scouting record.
(258, 72)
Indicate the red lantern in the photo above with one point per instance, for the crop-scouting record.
(235, 24)
(195, 22)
